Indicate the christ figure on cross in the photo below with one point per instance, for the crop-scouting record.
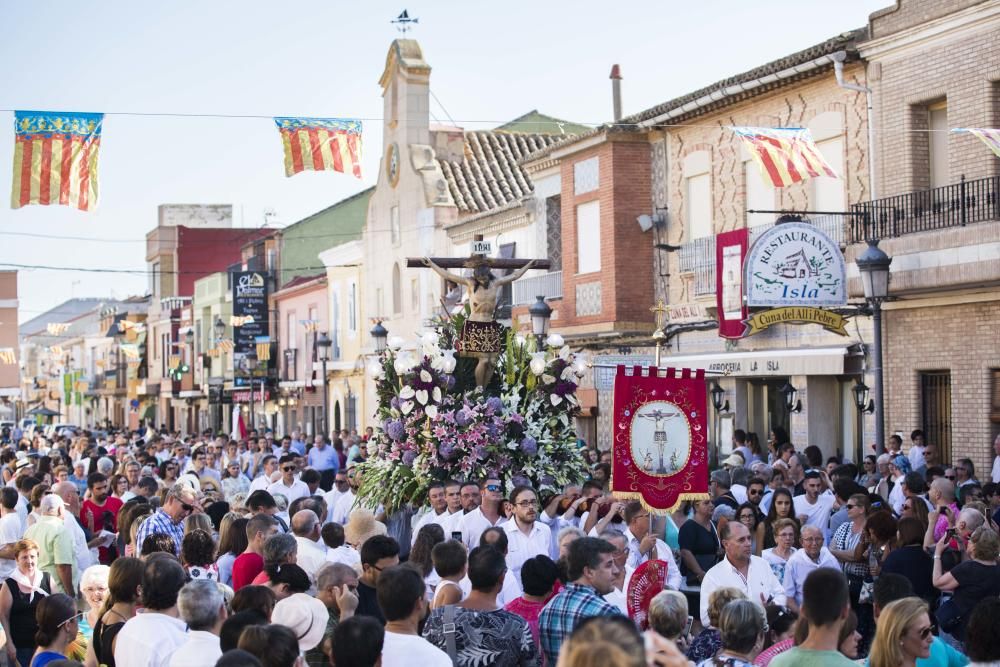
(658, 417)
(482, 335)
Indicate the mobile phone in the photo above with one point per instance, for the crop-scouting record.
(456, 535)
(687, 626)
(943, 509)
(952, 532)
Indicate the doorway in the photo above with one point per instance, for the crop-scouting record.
(766, 406)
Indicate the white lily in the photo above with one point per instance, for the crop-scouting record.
(431, 411)
(537, 363)
(548, 379)
(395, 343)
(425, 376)
(436, 394)
(422, 396)
(406, 393)
(450, 362)
(406, 407)
(565, 353)
(520, 340)
(556, 399)
(569, 374)
(375, 371)
(554, 340)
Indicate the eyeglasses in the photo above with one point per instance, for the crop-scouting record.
(527, 503)
(754, 492)
(75, 618)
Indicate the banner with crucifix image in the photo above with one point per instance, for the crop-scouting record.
(660, 440)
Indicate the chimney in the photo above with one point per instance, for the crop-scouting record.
(616, 91)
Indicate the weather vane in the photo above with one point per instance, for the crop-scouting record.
(403, 22)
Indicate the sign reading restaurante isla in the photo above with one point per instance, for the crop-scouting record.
(795, 264)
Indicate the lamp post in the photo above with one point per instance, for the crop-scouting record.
(864, 405)
(250, 362)
(380, 336)
(323, 344)
(220, 328)
(789, 393)
(540, 313)
(718, 395)
(873, 265)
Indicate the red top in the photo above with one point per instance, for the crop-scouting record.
(92, 516)
(529, 611)
(245, 568)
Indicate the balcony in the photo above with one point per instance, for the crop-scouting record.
(527, 289)
(957, 205)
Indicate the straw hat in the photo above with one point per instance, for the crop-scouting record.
(360, 526)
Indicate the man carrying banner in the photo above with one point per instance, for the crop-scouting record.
(643, 545)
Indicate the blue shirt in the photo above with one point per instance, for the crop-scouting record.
(324, 459)
(942, 655)
(160, 522)
(565, 611)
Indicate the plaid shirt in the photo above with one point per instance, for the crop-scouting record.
(565, 611)
(160, 522)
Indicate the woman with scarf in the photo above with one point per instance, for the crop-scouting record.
(19, 597)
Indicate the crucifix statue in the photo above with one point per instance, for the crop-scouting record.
(481, 336)
(659, 435)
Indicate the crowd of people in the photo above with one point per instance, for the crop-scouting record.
(149, 549)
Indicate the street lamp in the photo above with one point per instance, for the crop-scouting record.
(380, 335)
(250, 363)
(323, 344)
(718, 395)
(540, 313)
(873, 264)
(864, 405)
(789, 393)
(220, 328)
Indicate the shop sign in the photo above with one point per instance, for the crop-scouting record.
(681, 313)
(795, 264)
(258, 396)
(796, 315)
(249, 301)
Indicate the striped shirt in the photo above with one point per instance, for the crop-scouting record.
(565, 611)
(160, 522)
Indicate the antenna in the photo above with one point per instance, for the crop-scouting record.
(403, 22)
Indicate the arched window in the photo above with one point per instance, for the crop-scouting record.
(397, 291)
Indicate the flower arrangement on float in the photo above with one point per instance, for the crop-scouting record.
(432, 423)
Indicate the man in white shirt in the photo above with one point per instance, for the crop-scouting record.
(487, 515)
(526, 536)
(202, 607)
(995, 475)
(642, 544)
(312, 552)
(811, 556)
(813, 508)
(288, 486)
(341, 512)
(10, 530)
(267, 467)
(741, 570)
(337, 549)
(453, 496)
(402, 597)
(339, 488)
(438, 512)
(149, 639)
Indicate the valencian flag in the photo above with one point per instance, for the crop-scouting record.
(659, 448)
(988, 136)
(55, 158)
(321, 144)
(785, 155)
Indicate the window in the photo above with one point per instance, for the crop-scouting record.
(828, 193)
(415, 295)
(335, 324)
(935, 410)
(394, 224)
(698, 196)
(938, 143)
(760, 195)
(588, 237)
(553, 231)
(397, 289)
(352, 307)
(586, 176)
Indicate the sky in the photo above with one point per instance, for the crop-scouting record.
(491, 62)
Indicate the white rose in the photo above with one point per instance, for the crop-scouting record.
(395, 343)
(537, 363)
(554, 340)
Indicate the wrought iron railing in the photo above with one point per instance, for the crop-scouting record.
(956, 205)
(527, 289)
(698, 257)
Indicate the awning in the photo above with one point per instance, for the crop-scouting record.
(802, 361)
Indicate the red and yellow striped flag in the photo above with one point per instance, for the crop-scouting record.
(785, 155)
(321, 144)
(55, 158)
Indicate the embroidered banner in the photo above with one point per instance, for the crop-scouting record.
(730, 249)
(321, 144)
(55, 158)
(660, 445)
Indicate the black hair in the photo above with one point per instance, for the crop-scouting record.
(500, 542)
(357, 642)
(399, 589)
(815, 456)
(95, 478)
(586, 552)
(890, 587)
(486, 568)
(149, 484)
(518, 490)
(378, 547)
(50, 614)
(162, 578)
(157, 543)
(274, 645)
(260, 499)
(9, 496)
(915, 483)
(449, 558)
(982, 641)
(333, 535)
(780, 620)
(258, 599)
(539, 575)
(289, 574)
(309, 476)
(421, 553)
(824, 596)
(197, 548)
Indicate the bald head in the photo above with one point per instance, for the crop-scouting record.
(304, 524)
(945, 489)
(65, 490)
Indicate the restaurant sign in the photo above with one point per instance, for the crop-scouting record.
(795, 264)
(795, 315)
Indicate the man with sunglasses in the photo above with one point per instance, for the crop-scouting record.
(181, 500)
(487, 515)
(289, 486)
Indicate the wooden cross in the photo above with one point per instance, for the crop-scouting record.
(474, 260)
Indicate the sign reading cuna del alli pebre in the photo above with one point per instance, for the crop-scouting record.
(795, 315)
(795, 264)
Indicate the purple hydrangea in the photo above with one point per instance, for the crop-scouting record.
(529, 446)
(547, 480)
(463, 417)
(520, 480)
(394, 403)
(445, 451)
(395, 430)
(408, 457)
(494, 403)
(480, 451)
